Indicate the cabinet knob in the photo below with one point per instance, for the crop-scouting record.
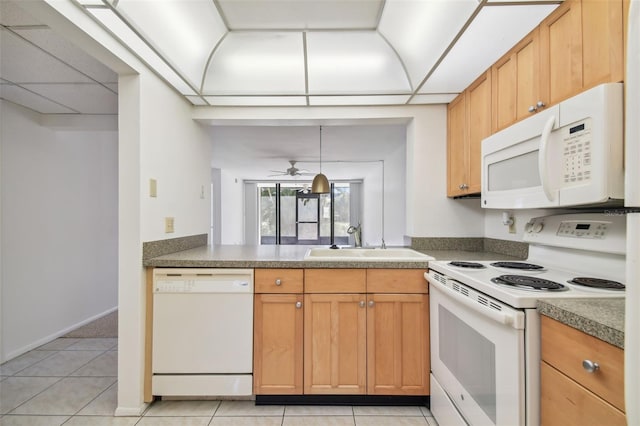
(362, 304)
(540, 104)
(532, 108)
(298, 305)
(463, 186)
(590, 366)
(371, 303)
(278, 281)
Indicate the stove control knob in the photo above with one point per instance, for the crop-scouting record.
(590, 366)
(528, 227)
(537, 227)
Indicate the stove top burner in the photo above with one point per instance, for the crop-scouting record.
(529, 283)
(517, 265)
(597, 283)
(470, 265)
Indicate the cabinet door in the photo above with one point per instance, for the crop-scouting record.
(456, 146)
(561, 52)
(479, 127)
(335, 344)
(398, 344)
(278, 344)
(603, 42)
(563, 402)
(515, 82)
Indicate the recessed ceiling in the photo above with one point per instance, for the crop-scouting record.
(269, 52)
(46, 73)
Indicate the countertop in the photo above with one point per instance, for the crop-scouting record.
(600, 318)
(292, 256)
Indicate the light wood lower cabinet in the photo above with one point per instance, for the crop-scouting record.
(335, 358)
(571, 395)
(398, 344)
(277, 350)
(338, 338)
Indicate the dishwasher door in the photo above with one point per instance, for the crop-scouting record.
(202, 328)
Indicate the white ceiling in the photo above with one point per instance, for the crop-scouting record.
(269, 52)
(46, 73)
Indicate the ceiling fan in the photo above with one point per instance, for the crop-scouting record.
(292, 171)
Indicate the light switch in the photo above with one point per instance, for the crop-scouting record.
(168, 225)
(153, 188)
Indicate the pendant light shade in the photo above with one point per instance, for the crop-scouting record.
(320, 183)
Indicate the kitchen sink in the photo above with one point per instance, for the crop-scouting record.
(366, 255)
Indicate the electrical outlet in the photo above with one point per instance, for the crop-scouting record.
(153, 188)
(168, 225)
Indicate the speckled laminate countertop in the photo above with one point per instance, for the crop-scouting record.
(290, 256)
(601, 318)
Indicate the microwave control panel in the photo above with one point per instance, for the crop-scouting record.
(576, 140)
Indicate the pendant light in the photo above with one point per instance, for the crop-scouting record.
(320, 183)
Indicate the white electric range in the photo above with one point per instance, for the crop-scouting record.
(485, 330)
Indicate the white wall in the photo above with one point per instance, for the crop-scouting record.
(59, 228)
(232, 208)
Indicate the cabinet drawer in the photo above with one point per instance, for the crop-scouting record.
(563, 402)
(278, 280)
(565, 348)
(396, 281)
(335, 280)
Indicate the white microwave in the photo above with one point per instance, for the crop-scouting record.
(570, 154)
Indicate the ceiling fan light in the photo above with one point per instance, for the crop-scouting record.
(320, 184)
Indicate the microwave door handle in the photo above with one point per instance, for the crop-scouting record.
(542, 157)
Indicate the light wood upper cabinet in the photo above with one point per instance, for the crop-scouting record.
(515, 83)
(571, 395)
(335, 344)
(582, 45)
(398, 344)
(456, 145)
(278, 344)
(469, 121)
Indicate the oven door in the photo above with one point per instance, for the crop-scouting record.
(477, 356)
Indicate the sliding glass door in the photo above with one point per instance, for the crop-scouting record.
(291, 214)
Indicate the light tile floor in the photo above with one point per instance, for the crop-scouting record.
(72, 382)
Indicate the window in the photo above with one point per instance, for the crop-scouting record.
(291, 214)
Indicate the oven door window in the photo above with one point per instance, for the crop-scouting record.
(476, 368)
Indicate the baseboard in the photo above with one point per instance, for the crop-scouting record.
(130, 411)
(44, 340)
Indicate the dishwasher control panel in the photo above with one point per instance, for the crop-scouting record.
(201, 280)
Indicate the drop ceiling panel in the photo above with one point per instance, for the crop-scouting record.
(30, 64)
(12, 15)
(256, 100)
(301, 14)
(499, 28)
(357, 62)
(257, 63)
(185, 32)
(59, 47)
(140, 48)
(88, 98)
(35, 102)
(433, 98)
(358, 100)
(420, 31)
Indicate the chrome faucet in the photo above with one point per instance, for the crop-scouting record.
(356, 231)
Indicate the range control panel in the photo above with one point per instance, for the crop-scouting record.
(582, 229)
(602, 232)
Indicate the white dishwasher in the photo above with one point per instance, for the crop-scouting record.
(202, 332)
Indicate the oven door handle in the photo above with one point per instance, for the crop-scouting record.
(500, 317)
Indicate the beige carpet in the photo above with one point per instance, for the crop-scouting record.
(107, 326)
